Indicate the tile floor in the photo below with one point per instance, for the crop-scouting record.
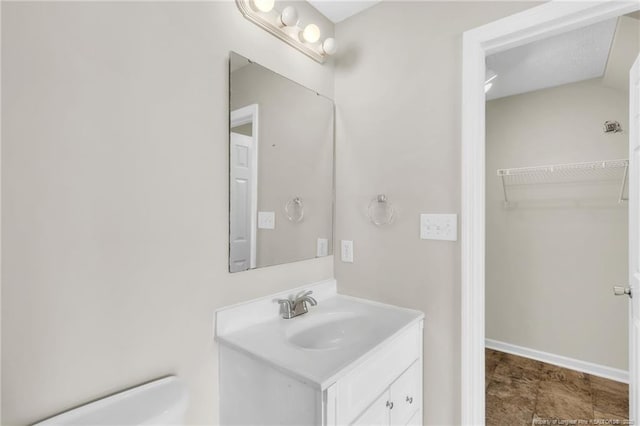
(521, 391)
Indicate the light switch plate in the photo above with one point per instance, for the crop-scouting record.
(266, 220)
(322, 247)
(346, 251)
(439, 227)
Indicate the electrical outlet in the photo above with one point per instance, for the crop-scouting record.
(439, 227)
(346, 251)
(322, 247)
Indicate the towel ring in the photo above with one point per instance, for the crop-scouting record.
(294, 209)
(380, 210)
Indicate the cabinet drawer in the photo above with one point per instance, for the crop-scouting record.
(406, 395)
(369, 379)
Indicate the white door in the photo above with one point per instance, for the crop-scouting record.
(634, 242)
(241, 218)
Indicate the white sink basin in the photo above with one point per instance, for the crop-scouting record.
(316, 347)
(329, 331)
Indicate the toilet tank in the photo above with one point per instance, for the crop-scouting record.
(161, 402)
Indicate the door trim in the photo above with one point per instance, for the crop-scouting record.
(238, 117)
(634, 267)
(540, 22)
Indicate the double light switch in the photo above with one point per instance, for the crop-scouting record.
(439, 227)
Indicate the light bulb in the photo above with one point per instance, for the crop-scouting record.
(311, 33)
(264, 5)
(329, 46)
(289, 16)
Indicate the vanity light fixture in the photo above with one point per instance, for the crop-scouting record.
(329, 46)
(286, 26)
(311, 33)
(289, 17)
(263, 5)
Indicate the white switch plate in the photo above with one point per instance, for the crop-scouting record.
(322, 247)
(266, 220)
(439, 227)
(346, 251)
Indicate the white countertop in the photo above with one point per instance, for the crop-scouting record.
(268, 339)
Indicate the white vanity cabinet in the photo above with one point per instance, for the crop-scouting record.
(359, 364)
(382, 388)
(385, 388)
(400, 404)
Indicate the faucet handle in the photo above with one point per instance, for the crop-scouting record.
(299, 304)
(304, 293)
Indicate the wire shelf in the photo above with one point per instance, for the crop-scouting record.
(593, 171)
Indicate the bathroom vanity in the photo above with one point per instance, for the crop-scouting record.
(342, 361)
(348, 361)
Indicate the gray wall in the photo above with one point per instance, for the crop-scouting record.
(553, 258)
(398, 132)
(295, 158)
(114, 197)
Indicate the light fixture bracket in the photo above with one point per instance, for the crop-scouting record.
(268, 22)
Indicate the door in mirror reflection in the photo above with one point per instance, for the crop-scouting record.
(281, 169)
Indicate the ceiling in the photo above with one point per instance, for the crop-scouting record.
(635, 15)
(338, 11)
(600, 50)
(574, 56)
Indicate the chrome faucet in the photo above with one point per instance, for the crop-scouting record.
(292, 307)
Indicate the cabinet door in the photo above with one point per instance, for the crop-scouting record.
(406, 395)
(376, 373)
(416, 420)
(377, 414)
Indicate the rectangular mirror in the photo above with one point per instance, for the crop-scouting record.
(281, 142)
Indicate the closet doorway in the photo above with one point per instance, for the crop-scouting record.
(557, 227)
(545, 21)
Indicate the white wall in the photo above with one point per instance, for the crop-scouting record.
(398, 133)
(623, 53)
(114, 197)
(552, 259)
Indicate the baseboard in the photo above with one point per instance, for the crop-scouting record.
(560, 361)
